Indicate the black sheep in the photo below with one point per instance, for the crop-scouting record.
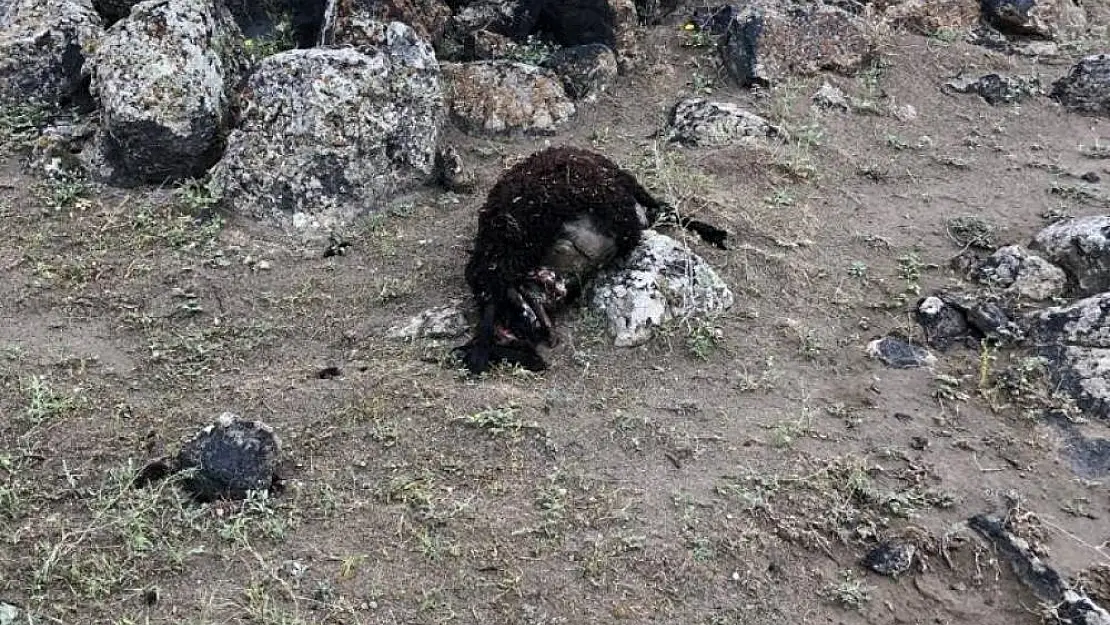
(549, 223)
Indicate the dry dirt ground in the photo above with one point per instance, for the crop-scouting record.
(731, 471)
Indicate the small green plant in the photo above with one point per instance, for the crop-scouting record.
(280, 40)
(533, 51)
(63, 190)
(44, 402)
(945, 36)
(848, 591)
(496, 421)
(858, 270)
(910, 267)
(198, 197)
(702, 338)
(20, 123)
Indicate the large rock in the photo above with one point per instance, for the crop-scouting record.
(661, 280)
(700, 122)
(1086, 88)
(1046, 19)
(113, 10)
(163, 77)
(229, 459)
(496, 97)
(926, 17)
(353, 22)
(1082, 373)
(326, 135)
(585, 70)
(43, 44)
(1016, 270)
(762, 46)
(1085, 323)
(1082, 247)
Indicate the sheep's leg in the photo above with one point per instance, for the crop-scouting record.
(543, 319)
(476, 354)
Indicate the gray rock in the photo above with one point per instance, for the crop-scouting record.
(659, 281)
(890, 558)
(499, 97)
(899, 353)
(1018, 271)
(1045, 19)
(700, 122)
(653, 11)
(1080, 246)
(42, 49)
(327, 135)
(163, 77)
(942, 323)
(443, 322)
(585, 70)
(229, 458)
(1085, 323)
(1086, 88)
(8, 612)
(765, 46)
(997, 89)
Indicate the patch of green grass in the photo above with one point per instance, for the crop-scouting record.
(20, 124)
(533, 51)
(910, 267)
(198, 197)
(848, 591)
(64, 190)
(504, 420)
(44, 402)
(163, 225)
(703, 339)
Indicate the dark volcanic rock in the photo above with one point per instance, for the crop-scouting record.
(890, 558)
(329, 134)
(1045, 19)
(763, 46)
(1086, 88)
(163, 78)
(943, 323)
(899, 353)
(229, 458)
(42, 50)
(1081, 246)
(997, 89)
(653, 11)
(1067, 604)
(1085, 323)
(1016, 270)
(585, 70)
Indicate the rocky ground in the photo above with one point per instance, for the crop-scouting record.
(256, 237)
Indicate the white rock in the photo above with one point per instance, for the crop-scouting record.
(661, 280)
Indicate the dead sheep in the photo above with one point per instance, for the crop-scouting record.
(548, 225)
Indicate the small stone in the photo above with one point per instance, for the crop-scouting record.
(919, 443)
(996, 88)
(8, 614)
(700, 122)
(442, 322)
(942, 323)
(831, 97)
(899, 353)
(890, 558)
(230, 458)
(263, 265)
(1091, 177)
